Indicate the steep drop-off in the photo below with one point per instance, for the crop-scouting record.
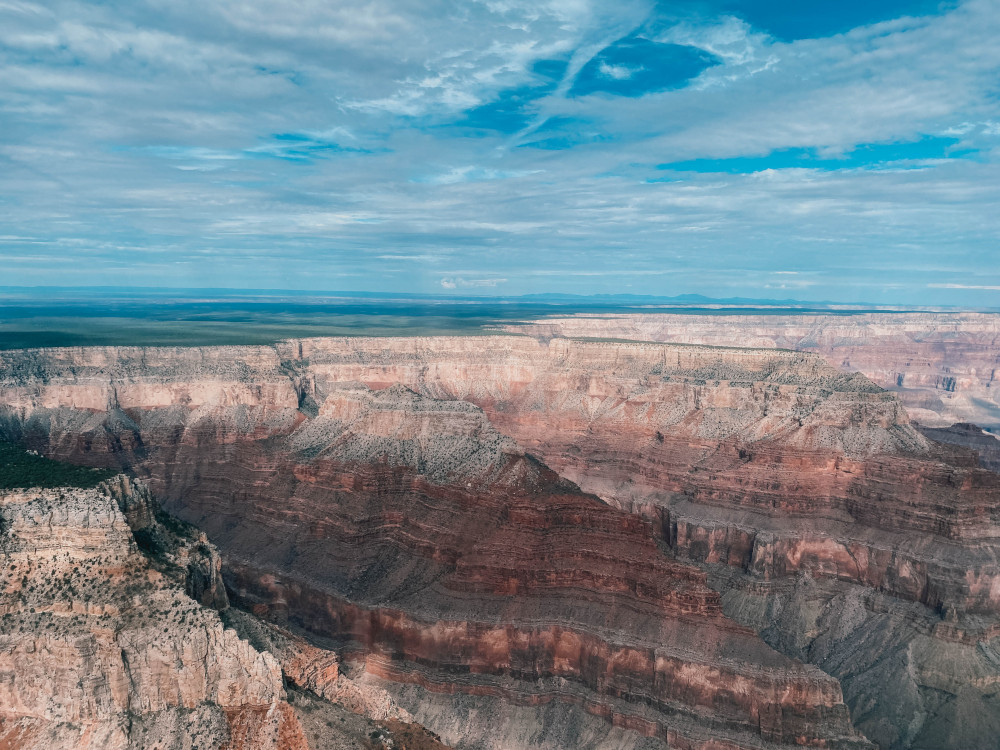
(772, 469)
(458, 568)
(115, 632)
(101, 649)
(944, 366)
(445, 561)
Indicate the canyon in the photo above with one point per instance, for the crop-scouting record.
(116, 633)
(943, 365)
(540, 541)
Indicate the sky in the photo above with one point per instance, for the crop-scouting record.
(845, 151)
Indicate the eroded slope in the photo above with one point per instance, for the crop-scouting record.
(944, 366)
(102, 649)
(802, 491)
(440, 555)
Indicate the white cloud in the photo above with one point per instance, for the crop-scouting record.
(458, 282)
(964, 286)
(457, 175)
(617, 72)
(171, 127)
(730, 39)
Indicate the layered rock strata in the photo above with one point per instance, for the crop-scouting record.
(776, 466)
(413, 533)
(944, 366)
(433, 547)
(407, 529)
(100, 648)
(111, 637)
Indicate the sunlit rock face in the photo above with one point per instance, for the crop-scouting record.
(390, 494)
(944, 366)
(99, 648)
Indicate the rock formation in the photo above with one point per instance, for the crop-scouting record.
(945, 367)
(111, 637)
(382, 494)
(101, 648)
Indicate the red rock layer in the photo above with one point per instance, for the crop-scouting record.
(770, 462)
(410, 527)
(826, 465)
(493, 583)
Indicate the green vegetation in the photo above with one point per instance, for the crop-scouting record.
(158, 539)
(81, 318)
(22, 469)
(86, 331)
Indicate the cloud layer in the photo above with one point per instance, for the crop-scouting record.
(504, 146)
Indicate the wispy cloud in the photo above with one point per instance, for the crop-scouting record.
(965, 286)
(458, 282)
(617, 72)
(566, 145)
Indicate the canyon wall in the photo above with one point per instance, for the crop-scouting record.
(100, 649)
(386, 494)
(437, 554)
(116, 632)
(943, 366)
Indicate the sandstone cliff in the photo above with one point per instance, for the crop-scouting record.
(115, 632)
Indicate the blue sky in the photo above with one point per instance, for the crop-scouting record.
(827, 150)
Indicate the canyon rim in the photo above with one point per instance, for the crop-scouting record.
(507, 541)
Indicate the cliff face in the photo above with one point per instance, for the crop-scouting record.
(115, 632)
(412, 532)
(100, 649)
(426, 543)
(768, 468)
(943, 366)
(376, 492)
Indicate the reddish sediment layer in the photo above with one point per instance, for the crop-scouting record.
(388, 515)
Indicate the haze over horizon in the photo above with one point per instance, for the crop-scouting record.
(841, 151)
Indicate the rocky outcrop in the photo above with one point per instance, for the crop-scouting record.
(116, 633)
(317, 670)
(101, 648)
(944, 366)
(385, 498)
